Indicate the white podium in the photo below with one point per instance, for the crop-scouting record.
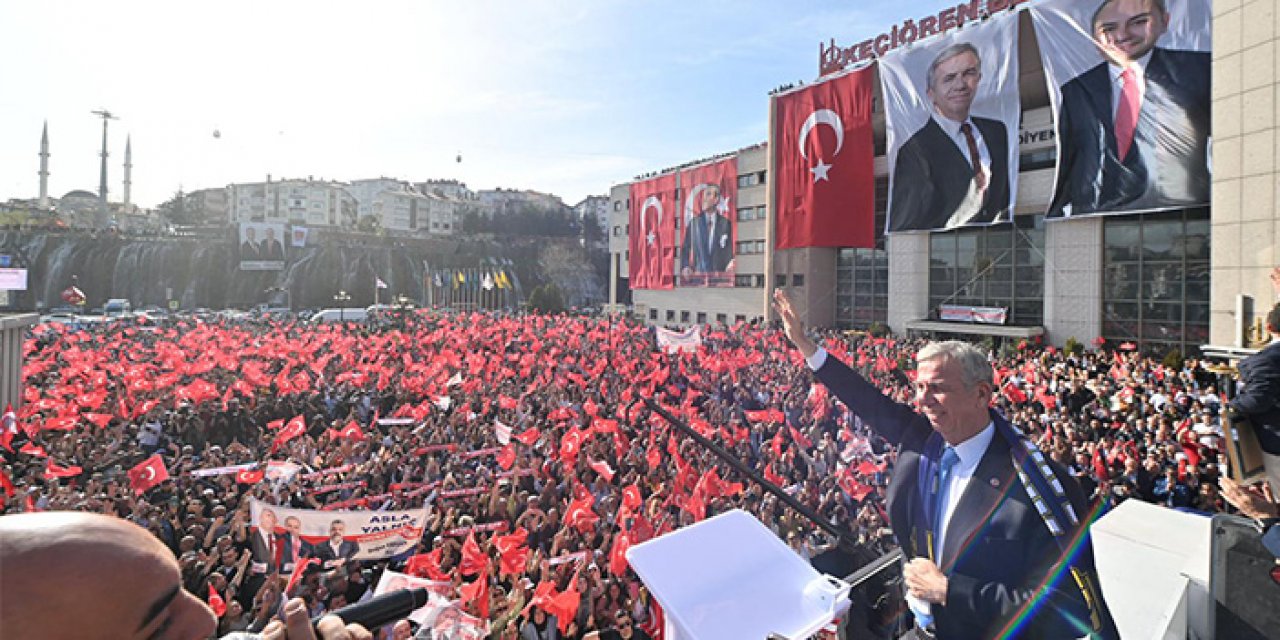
(730, 577)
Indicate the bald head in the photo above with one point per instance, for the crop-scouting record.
(80, 575)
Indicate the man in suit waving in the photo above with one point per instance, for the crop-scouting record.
(983, 552)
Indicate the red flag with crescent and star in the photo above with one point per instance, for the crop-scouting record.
(823, 163)
(148, 474)
(652, 237)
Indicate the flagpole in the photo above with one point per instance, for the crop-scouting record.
(771, 210)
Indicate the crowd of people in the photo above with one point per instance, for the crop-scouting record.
(528, 439)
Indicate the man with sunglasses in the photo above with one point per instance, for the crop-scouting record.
(624, 628)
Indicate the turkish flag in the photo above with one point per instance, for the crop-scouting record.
(350, 432)
(477, 592)
(426, 565)
(631, 497)
(52, 470)
(652, 240)
(569, 446)
(529, 436)
(32, 449)
(6, 485)
(602, 467)
(216, 602)
(250, 476)
(824, 182)
(299, 570)
(148, 474)
(618, 554)
(473, 559)
(296, 427)
(507, 457)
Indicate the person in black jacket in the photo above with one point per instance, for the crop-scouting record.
(983, 555)
(1134, 130)
(955, 169)
(1259, 397)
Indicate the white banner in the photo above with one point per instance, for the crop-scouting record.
(1130, 86)
(952, 112)
(219, 471)
(979, 315)
(688, 340)
(13, 279)
(443, 617)
(261, 246)
(336, 535)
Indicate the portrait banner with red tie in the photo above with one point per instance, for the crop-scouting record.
(952, 116)
(823, 159)
(708, 224)
(1129, 88)
(652, 236)
(334, 535)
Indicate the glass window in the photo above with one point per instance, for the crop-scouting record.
(702, 317)
(684, 316)
(797, 280)
(653, 314)
(671, 315)
(1156, 280)
(997, 266)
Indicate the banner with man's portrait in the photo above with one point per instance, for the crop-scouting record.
(262, 246)
(332, 536)
(952, 112)
(708, 226)
(1129, 85)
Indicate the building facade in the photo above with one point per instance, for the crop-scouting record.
(1170, 280)
(210, 206)
(309, 202)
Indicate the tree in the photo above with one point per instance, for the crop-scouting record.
(547, 299)
(176, 211)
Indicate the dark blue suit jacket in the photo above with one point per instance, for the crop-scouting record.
(1167, 165)
(1259, 400)
(998, 549)
(931, 178)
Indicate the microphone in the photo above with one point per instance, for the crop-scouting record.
(380, 611)
(370, 614)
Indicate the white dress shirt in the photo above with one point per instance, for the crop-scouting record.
(970, 453)
(952, 129)
(1139, 67)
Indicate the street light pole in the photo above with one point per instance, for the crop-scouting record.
(342, 298)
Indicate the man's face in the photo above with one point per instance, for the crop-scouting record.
(267, 521)
(293, 525)
(954, 85)
(337, 529)
(1126, 30)
(250, 234)
(710, 198)
(271, 233)
(956, 411)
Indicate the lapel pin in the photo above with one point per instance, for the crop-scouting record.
(995, 482)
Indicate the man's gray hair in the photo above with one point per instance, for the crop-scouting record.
(974, 366)
(1093, 24)
(950, 52)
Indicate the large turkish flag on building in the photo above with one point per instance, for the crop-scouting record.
(652, 238)
(823, 161)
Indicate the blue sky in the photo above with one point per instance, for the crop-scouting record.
(560, 96)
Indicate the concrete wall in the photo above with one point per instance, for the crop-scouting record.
(12, 330)
(1246, 160)
(908, 279)
(1073, 280)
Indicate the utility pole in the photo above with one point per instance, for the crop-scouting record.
(103, 211)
